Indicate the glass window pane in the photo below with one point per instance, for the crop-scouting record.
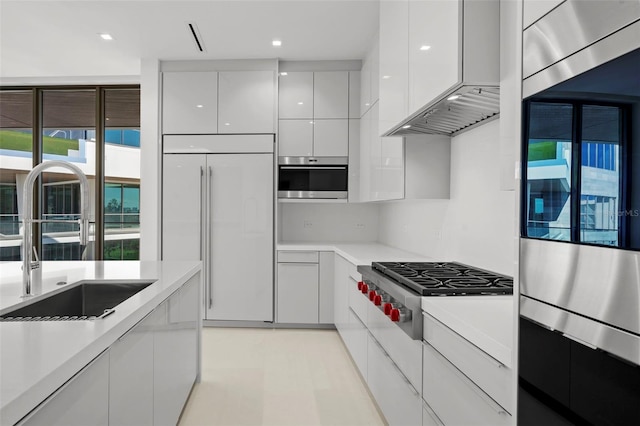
(122, 173)
(16, 147)
(68, 134)
(600, 179)
(549, 171)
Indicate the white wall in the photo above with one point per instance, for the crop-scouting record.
(475, 226)
(318, 222)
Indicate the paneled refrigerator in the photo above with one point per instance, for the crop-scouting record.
(217, 206)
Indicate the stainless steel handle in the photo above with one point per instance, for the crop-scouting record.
(580, 341)
(201, 214)
(210, 239)
(313, 168)
(473, 347)
(395, 366)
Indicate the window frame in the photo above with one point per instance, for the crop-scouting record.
(37, 154)
(624, 191)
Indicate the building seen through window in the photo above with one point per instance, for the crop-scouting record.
(68, 128)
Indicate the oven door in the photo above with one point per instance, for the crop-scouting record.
(324, 178)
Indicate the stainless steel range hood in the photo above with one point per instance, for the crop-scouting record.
(476, 96)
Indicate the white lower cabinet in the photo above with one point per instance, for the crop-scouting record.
(298, 293)
(340, 295)
(454, 398)
(131, 376)
(175, 353)
(144, 378)
(305, 287)
(399, 401)
(491, 375)
(356, 342)
(82, 401)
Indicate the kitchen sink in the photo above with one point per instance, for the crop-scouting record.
(85, 301)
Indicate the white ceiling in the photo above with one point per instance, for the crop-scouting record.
(54, 39)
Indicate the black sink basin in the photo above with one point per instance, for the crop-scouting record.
(81, 302)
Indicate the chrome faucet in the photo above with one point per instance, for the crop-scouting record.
(29, 264)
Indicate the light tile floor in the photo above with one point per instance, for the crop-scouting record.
(278, 377)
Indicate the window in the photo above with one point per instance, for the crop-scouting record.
(574, 171)
(89, 127)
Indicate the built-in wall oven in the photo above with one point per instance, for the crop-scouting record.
(313, 177)
(579, 335)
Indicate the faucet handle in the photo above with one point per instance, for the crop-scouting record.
(34, 264)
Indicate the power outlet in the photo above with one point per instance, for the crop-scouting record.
(360, 226)
(308, 224)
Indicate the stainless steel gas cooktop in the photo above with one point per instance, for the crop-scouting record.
(445, 278)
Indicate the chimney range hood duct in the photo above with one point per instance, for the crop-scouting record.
(476, 97)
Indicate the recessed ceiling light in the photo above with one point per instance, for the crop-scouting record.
(283, 73)
(453, 97)
(300, 103)
(406, 126)
(311, 122)
(106, 36)
(276, 43)
(227, 124)
(425, 47)
(386, 77)
(199, 106)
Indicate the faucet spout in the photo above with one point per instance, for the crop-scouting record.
(28, 263)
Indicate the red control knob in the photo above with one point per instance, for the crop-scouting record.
(387, 308)
(395, 315)
(372, 294)
(365, 288)
(377, 300)
(360, 284)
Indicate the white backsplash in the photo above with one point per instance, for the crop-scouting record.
(318, 222)
(476, 225)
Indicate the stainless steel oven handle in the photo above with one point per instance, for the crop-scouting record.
(210, 239)
(314, 167)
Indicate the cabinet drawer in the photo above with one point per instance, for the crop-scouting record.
(298, 256)
(356, 342)
(454, 398)
(488, 373)
(396, 397)
(405, 352)
(358, 302)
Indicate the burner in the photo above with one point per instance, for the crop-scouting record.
(445, 278)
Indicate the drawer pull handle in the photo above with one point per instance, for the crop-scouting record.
(415, 392)
(429, 339)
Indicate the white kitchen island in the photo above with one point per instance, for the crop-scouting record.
(38, 359)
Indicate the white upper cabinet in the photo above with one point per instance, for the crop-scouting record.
(296, 95)
(331, 138)
(314, 113)
(434, 49)
(246, 102)
(189, 102)
(354, 94)
(394, 63)
(369, 90)
(295, 138)
(331, 94)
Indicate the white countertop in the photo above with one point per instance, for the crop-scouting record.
(36, 358)
(359, 253)
(485, 321)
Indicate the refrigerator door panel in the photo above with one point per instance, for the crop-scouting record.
(240, 197)
(182, 203)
